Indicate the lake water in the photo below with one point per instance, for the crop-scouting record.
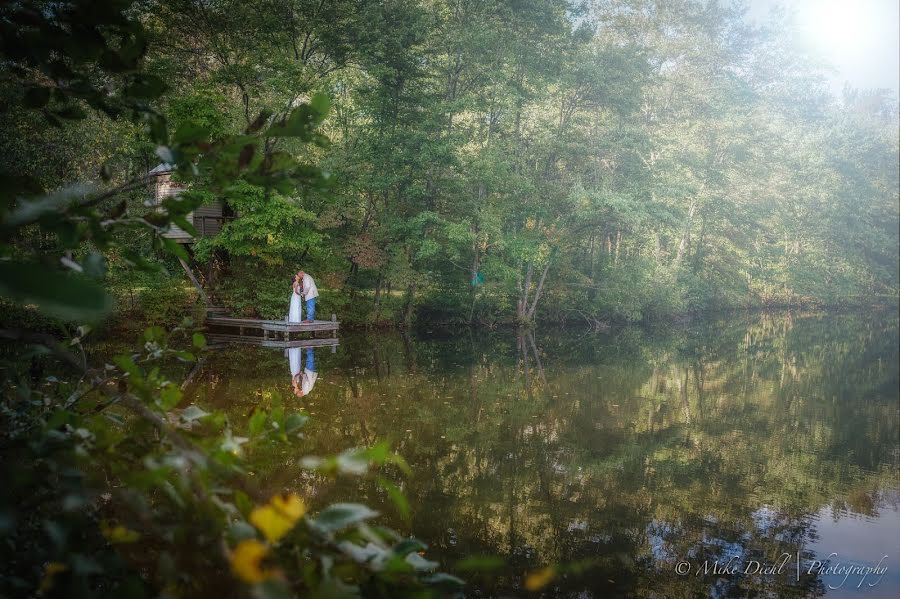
(744, 456)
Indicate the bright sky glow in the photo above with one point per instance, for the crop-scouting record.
(839, 28)
(859, 38)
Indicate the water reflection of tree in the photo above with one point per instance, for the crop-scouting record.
(633, 449)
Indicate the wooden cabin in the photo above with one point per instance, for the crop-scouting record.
(207, 219)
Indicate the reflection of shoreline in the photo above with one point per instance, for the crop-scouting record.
(630, 445)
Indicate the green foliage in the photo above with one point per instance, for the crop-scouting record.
(106, 458)
(485, 143)
(165, 302)
(637, 292)
(479, 144)
(270, 227)
(257, 293)
(203, 110)
(176, 479)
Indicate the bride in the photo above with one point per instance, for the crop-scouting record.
(296, 302)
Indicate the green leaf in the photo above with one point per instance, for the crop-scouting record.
(66, 296)
(353, 461)
(185, 224)
(156, 125)
(295, 422)
(94, 265)
(165, 154)
(341, 515)
(169, 397)
(126, 364)
(192, 413)
(240, 530)
(420, 563)
(445, 581)
(321, 104)
(199, 340)
(397, 497)
(243, 503)
(175, 248)
(185, 356)
(400, 462)
(407, 546)
(56, 202)
(257, 422)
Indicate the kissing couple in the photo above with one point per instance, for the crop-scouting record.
(303, 288)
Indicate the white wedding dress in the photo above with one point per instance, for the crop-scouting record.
(294, 314)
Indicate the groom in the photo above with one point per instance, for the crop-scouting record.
(306, 287)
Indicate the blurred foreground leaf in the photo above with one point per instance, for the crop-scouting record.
(66, 296)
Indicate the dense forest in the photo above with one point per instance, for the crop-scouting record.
(500, 161)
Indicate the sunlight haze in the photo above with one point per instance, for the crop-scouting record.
(860, 39)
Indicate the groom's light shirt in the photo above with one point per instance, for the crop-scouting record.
(309, 288)
(308, 380)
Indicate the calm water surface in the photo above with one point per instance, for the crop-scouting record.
(749, 456)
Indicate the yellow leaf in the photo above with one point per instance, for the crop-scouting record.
(279, 516)
(119, 534)
(246, 562)
(540, 578)
(52, 569)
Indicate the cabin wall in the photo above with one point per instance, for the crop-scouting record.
(164, 188)
(207, 219)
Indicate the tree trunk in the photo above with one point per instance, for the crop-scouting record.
(686, 236)
(657, 248)
(377, 301)
(591, 258)
(408, 308)
(473, 283)
(618, 242)
(378, 296)
(522, 308)
(190, 274)
(540, 288)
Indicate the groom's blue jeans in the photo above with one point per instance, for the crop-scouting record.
(311, 309)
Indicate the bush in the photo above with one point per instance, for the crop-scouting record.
(112, 488)
(166, 301)
(637, 291)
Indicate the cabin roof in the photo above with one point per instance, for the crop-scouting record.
(162, 168)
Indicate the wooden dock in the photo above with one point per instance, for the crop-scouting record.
(254, 330)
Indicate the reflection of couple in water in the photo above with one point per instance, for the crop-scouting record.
(302, 379)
